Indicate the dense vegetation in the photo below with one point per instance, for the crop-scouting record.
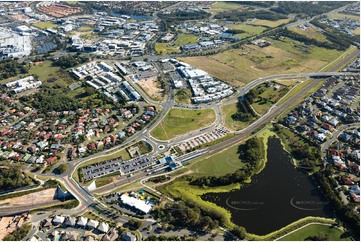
(70, 61)
(244, 110)
(252, 153)
(307, 8)
(13, 178)
(243, 16)
(10, 68)
(19, 234)
(265, 4)
(335, 36)
(61, 169)
(185, 214)
(179, 16)
(344, 212)
(54, 100)
(158, 179)
(167, 238)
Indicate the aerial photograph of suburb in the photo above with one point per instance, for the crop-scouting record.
(179, 120)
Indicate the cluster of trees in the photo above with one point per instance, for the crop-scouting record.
(61, 169)
(336, 36)
(252, 152)
(180, 16)
(12, 178)
(134, 223)
(18, 234)
(10, 68)
(345, 213)
(244, 110)
(339, 42)
(54, 100)
(264, 4)
(307, 8)
(243, 16)
(185, 213)
(158, 179)
(235, 31)
(318, 237)
(70, 61)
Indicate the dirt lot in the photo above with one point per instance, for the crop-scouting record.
(150, 86)
(30, 199)
(9, 224)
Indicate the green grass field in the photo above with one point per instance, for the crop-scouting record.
(219, 164)
(227, 111)
(313, 229)
(46, 72)
(85, 28)
(270, 24)
(249, 29)
(164, 48)
(223, 6)
(184, 39)
(342, 15)
(268, 97)
(45, 25)
(240, 66)
(181, 121)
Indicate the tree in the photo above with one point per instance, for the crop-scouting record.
(239, 232)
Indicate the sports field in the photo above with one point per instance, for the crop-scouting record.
(240, 66)
(181, 121)
(45, 25)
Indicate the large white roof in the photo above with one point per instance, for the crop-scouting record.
(138, 204)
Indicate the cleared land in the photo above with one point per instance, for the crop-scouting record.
(151, 87)
(227, 111)
(45, 25)
(314, 229)
(248, 29)
(30, 199)
(271, 24)
(240, 66)
(181, 121)
(310, 32)
(9, 225)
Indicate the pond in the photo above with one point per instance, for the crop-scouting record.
(276, 197)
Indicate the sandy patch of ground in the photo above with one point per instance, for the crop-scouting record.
(9, 225)
(30, 199)
(150, 87)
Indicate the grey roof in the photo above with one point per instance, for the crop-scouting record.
(70, 221)
(128, 236)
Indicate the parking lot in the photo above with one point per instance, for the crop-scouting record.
(111, 166)
(202, 139)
